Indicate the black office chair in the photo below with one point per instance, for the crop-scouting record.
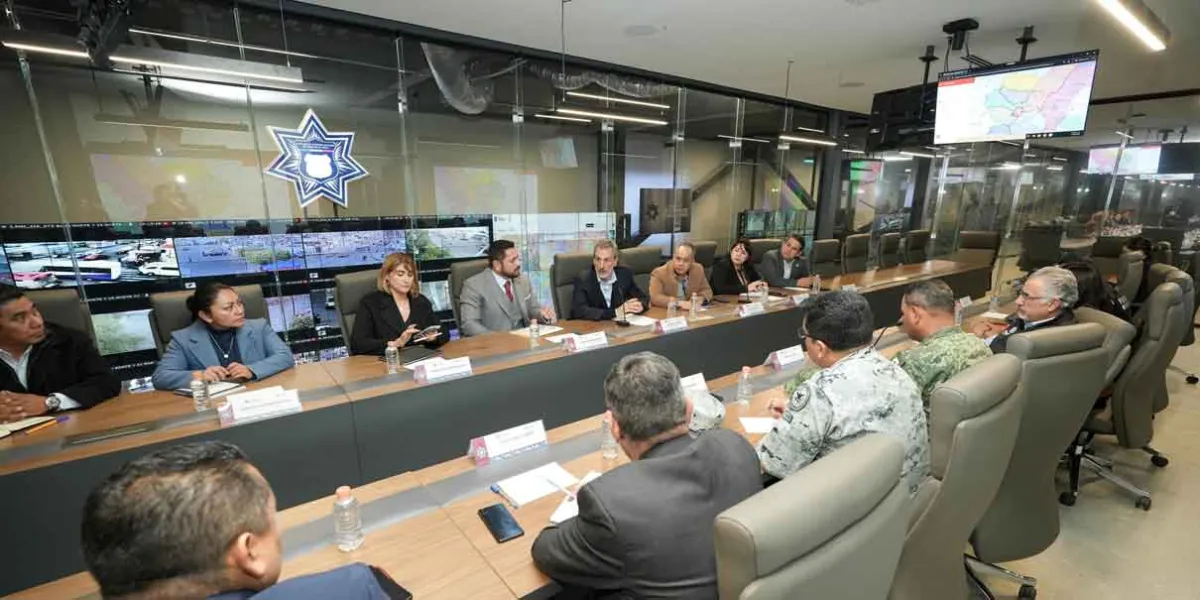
(348, 291)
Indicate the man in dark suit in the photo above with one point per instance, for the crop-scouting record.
(645, 529)
(786, 266)
(1044, 301)
(198, 521)
(606, 286)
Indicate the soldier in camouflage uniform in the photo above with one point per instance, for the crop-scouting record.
(944, 349)
(857, 391)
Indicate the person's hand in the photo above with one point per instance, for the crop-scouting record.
(14, 406)
(757, 286)
(402, 341)
(776, 407)
(633, 306)
(547, 315)
(214, 373)
(240, 371)
(804, 282)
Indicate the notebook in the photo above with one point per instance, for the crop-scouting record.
(215, 390)
(532, 485)
(8, 429)
(569, 509)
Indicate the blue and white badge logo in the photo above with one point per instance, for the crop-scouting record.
(315, 160)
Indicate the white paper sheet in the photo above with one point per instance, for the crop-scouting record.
(758, 424)
(538, 483)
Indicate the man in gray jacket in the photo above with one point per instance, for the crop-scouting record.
(786, 266)
(499, 298)
(673, 490)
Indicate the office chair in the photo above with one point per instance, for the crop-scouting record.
(459, 273)
(706, 254)
(855, 252)
(761, 246)
(642, 261)
(916, 246)
(889, 250)
(348, 290)
(1106, 254)
(824, 258)
(977, 247)
(1129, 274)
(169, 313)
(563, 271)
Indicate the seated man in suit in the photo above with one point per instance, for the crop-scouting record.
(499, 298)
(50, 368)
(198, 521)
(672, 490)
(681, 277)
(786, 266)
(945, 349)
(857, 391)
(606, 286)
(1044, 301)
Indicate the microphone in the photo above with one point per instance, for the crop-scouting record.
(898, 323)
(618, 302)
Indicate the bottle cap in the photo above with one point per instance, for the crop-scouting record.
(746, 370)
(343, 492)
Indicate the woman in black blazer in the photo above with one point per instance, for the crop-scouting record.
(735, 274)
(396, 313)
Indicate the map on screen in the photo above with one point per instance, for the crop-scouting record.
(1015, 102)
(1136, 160)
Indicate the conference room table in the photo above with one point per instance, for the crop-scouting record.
(400, 442)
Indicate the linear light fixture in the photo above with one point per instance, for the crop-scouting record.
(1124, 135)
(852, 151)
(1059, 158)
(620, 100)
(810, 129)
(613, 116)
(195, 63)
(917, 154)
(744, 139)
(1140, 21)
(46, 49)
(574, 119)
(45, 43)
(807, 140)
(894, 158)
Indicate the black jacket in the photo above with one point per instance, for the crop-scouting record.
(1015, 326)
(378, 322)
(724, 278)
(65, 362)
(587, 301)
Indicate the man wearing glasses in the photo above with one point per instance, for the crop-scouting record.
(857, 391)
(1044, 301)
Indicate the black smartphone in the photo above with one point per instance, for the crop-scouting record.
(501, 523)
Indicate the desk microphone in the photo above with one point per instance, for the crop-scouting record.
(620, 307)
(898, 323)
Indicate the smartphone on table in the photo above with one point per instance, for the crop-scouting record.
(502, 525)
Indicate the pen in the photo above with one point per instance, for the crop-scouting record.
(41, 426)
(496, 489)
(569, 493)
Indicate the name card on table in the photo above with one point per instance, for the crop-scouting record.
(671, 325)
(258, 405)
(694, 383)
(433, 371)
(782, 359)
(590, 341)
(960, 305)
(799, 299)
(751, 309)
(507, 443)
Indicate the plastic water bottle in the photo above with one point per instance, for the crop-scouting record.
(672, 308)
(391, 355)
(347, 521)
(534, 333)
(609, 450)
(816, 284)
(199, 394)
(744, 390)
(994, 304)
(694, 309)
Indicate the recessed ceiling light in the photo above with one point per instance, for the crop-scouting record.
(807, 140)
(616, 99)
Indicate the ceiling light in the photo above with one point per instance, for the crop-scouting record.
(807, 140)
(180, 179)
(917, 154)
(1054, 168)
(195, 63)
(852, 151)
(895, 158)
(1124, 135)
(46, 49)
(575, 119)
(810, 129)
(744, 139)
(614, 117)
(1059, 158)
(621, 100)
(1139, 20)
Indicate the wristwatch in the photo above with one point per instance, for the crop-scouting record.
(52, 403)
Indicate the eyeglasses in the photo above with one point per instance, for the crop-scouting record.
(804, 337)
(1025, 296)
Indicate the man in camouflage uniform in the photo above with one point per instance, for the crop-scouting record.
(944, 349)
(857, 391)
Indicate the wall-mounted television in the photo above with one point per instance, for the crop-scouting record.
(1135, 160)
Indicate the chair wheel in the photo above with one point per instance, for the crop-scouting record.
(1143, 503)
(1066, 499)
(1159, 460)
(1027, 592)
(1192, 379)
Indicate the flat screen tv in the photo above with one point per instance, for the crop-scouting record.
(1135, 160)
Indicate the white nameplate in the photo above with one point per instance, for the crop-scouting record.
(751, 309)
(694, 383)
(786, 357)
(591, 341)
(258, 405)
(435, 371)
(671, 325)
(510, 442)
(799, 299)
(850, 288)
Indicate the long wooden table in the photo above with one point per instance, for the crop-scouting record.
(361, 425)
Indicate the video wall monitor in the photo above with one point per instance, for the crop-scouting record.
(448, 242)
(1041, 98)
(1135, 160)
(331, 249)
(239, 254)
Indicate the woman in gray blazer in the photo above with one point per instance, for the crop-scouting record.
(221, 344)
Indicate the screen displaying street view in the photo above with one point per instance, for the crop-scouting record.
(121, 332)
(53, 264)
(334, 353)
(5, 272)
(350, 248)
(313, 310)
(448, 242)
(238, 255)
(438, 293)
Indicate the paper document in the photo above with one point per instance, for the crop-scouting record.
(569, 509)
(641, 321)
(758, 424)
(8, 429)
(531, 485)
(543, 330)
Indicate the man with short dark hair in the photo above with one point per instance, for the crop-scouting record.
(499, 298)
(679, 279)
(944, 349)
(785, 266)
(673, 489)
(47, 367)
(606, 286)
(198, 521)
(857, 391)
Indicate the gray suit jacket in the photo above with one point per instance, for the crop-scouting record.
(191, 350)
(483, 307)
(645, 529)
(771, 269)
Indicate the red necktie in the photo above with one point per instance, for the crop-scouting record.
(508, 290)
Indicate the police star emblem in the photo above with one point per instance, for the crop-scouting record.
(317, 161)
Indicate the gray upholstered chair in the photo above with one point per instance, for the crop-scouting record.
(348, 291)
(460, 272)
(1106, 254)
(1164, 253)
(563, 271)
(823, 259)
(1159, 274)
(916, 246)
(833, 529)
(972, 429)
(642, 260)
(855, 252)
(1062, 373)
(1129, 273)
(977, 247)
(169, 312)
(706, 254)
(1119, 335)
(760, 247)
(889, 250)
(63, 306)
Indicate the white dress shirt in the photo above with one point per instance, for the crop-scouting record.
(606, 287)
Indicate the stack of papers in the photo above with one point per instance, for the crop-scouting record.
(532, 485)
(543, 330)
(8, 429)
(758, 424)
(569, 509)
